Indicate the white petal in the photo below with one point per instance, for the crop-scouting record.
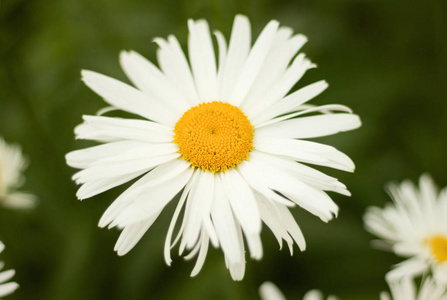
(237, 270)
(254, 63)
(106, 109)
(318, 179)
(313, 200)
(128, 98)
(208, 226)
(283, 35)
(199, 207)
(292, 226)
(274, 218)
(149, 79)
(131, 234)
(307, 109)
(111, 172)
(307, 175)
(407, 249)
(150, 198)
(282, 52)
(19, 200)
(269, 217)
(13, 164)
(238, 49)
(432, 290)
(8, 288)
(133, 160)
(255, 180)
(225, 226)
(403, 288)
(376, 224)
(410, 267)
(204, 243)
(168, 241)
(428, 195)
(173, 62)
(310, 127)
(385, 296)
(440, 273)
(222, 44)
(269, 291)
(162, 174)
(242, 201)
(203, 60)
(193, 182)
(105, 129)
(281, 222)
(195, 250)
(6, 275)
(291, 102)
(305, 151)
(313, 295)
(83, 158)
(294, 73)
(95, 187)
(108, 173)
(254, 245)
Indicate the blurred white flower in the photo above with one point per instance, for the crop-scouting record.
(225, 135)
(8, 287)
(415, 226)
(405, 289)
(12, 164)
(269, 291)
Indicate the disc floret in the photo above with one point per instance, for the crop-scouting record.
(214, 136)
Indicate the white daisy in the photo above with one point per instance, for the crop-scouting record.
(269, 291)
(225, 135)
(8, 287)
(405, 289)
(12, 165)
(415, 226)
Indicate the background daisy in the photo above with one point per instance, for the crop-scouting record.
(12, 165)
(6, 288)
(414, 225)
(269, 291)
(405, 289)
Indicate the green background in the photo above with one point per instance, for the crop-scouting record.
(387, 60)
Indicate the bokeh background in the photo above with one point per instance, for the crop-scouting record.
(385, 59)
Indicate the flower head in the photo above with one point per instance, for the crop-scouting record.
(12, 165)
(415, 226)
(405, 289)
(6, 288)
(269, 291)
(227, 136)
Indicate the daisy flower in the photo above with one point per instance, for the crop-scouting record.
(12, 165)
(224, 133)
(414, 226)
(405, 289)
(8, 287)
(269, 291)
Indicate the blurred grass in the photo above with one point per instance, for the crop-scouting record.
(385, 59)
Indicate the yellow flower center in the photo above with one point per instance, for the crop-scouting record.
(438, 246)
(214, 136)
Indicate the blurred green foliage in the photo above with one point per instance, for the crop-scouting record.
(385, 59)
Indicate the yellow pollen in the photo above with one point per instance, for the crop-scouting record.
(214, 136)
(438, 246)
